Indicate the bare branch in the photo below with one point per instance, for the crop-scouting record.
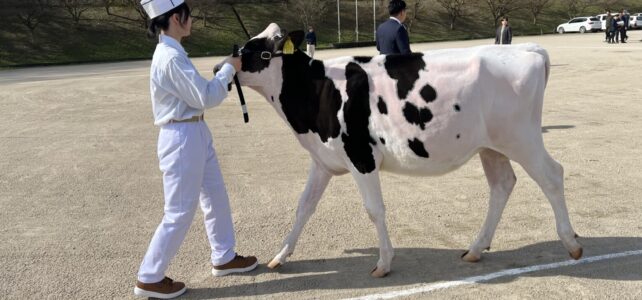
(455, 9)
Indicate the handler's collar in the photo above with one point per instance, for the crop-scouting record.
(171, 42)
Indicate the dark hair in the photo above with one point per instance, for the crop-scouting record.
(396, 6)
(504, 18)
(162, 22)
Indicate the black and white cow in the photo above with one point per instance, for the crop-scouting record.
(421, 114)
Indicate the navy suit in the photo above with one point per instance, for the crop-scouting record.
(392, 38)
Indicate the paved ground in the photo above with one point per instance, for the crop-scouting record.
(80, 192)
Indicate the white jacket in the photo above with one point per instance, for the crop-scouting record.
(178, 91)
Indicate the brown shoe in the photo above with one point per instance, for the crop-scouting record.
(164, 289)
(237, 265)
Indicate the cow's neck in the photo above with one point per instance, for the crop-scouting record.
(309, 100)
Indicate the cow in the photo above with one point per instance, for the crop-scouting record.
(423, 114)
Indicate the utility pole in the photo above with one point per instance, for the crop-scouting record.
(356, 17)
(338, 21)
(374, 20)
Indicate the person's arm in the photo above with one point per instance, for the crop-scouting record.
(403, 41)
(189, 86)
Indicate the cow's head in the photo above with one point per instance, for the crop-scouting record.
(262, 57)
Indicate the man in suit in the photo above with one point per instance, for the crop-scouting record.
(625, 17)
(392, 36)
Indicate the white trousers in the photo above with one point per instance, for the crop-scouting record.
(190, 173)
(310, 50)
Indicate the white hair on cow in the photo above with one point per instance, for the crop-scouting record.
(271, 31)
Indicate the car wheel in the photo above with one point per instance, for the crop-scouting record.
(560, 30)
(582, 29)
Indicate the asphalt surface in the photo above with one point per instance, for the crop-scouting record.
(81, 193)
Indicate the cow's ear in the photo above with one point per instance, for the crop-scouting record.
(291, 40)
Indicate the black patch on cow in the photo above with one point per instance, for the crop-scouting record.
(458, 136)
(356, 112)
(272, 97)
(417, 116)
(308, 98)
(383, 141)
(405, 69)
(428, 93)
(363, 59)
(383, 109)
(418, 147)
(251, 55)
(457, 108)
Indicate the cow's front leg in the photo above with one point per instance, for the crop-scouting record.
(318, 180)
(370, 189)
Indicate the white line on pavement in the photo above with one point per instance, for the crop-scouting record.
(505, 273)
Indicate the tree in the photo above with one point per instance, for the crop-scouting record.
(613, 5)
(75, 8)
(576, 7)
(455, 9)
(536, 7)
(309, 12)
(32, 13)
(412, 9)
(129, 6)
(205, 11)
(500, 8)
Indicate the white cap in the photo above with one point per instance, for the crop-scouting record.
(155, 8)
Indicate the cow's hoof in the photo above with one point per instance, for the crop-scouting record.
(469, 257)
(274, 264)
(378, 273)
(577, 254)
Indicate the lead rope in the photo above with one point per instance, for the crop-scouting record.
(246, 117)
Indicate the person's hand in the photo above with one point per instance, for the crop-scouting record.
(234, 61)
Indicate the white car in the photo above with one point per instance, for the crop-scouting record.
(580, 24)
(635, 21)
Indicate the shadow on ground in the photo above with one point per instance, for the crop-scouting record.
(545, 129)
(426, 265)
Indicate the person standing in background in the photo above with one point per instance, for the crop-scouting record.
(615, 28)
(392, 36)
(608, 24)
(504, 34)
(625, 17)
(311, 40)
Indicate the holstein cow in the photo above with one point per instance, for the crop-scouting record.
(421, 114)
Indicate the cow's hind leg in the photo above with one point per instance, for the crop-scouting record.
(318, 180)
(501, 180)
(370, 189)
(549, 175)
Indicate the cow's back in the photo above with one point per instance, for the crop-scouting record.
(430, 113)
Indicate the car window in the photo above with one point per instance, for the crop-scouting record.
(594, 19)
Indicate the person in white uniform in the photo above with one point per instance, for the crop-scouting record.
(191, 172)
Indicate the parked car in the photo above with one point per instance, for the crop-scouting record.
(579, 24)
(602, 19)
(635, 21)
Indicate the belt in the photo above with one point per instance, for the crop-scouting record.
(192, 119)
